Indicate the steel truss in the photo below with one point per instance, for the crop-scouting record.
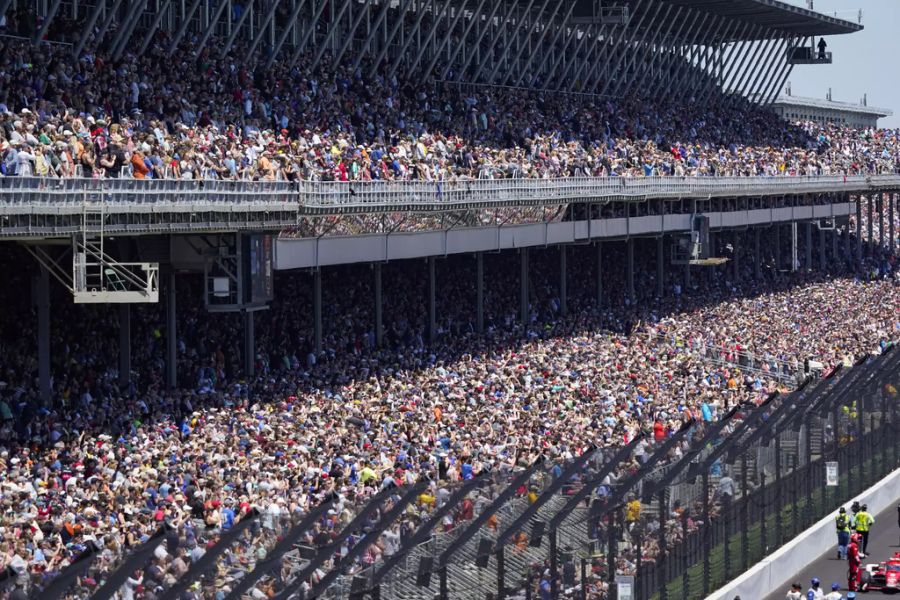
(655, 48)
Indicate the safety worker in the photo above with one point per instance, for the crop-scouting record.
(815, 591)
(864, 522)
(822, 46)
(854, 576)
(835, 592)
(842, 525)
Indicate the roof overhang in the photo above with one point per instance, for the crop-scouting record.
(775, 18)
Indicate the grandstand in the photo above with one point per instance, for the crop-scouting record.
(428, 298)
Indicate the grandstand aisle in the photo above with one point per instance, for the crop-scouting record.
(884, 540)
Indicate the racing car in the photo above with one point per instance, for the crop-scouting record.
(883, 576)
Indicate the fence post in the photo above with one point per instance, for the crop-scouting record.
(779, 498)
(707, 531)
(639, 563)
(763, 542)
(727, 510)
(685, 578)
(662, 581)
(745, 516)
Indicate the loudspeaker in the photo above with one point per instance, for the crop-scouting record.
(537, 532)
(423, 577)
(483, 556)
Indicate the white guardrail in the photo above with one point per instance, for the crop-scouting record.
(424, 195)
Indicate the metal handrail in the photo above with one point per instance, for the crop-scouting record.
(423, 195)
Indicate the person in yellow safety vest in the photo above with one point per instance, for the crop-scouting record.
(842, 524)
(864, 522)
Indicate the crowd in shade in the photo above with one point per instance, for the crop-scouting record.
(108, 465)
(224, 118)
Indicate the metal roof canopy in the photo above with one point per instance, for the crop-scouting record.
(773, 15)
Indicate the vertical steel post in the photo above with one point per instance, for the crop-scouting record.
(171, 335)
(859, 247)
(523, 289)
(629, 269)
(124, 345)
(317, 310)
(379, 329)
(870, 237)
(599, 275)
(42, 288)
(432, 301)
(660, 267)
(479, 292)
(757, 267)
(249, 344)
(563, 276)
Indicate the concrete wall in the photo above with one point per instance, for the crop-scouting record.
(335, 250)
(774, 572)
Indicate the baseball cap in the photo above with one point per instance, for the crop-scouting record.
(835, 586)
(815, 581)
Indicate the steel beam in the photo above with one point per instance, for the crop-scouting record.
(632, 50)
(682, 63)
(125, 36)
(184, 25)
(307, 33)
(646, 66)
(513, 31)
(288, 29)
(623, 49)
(88, 27)
(264, 24)
(539, 45)
(154, 26)
(43, 333)
(379, 305)
(479, 292)
(744, 53)
(563, 28)
(476, 17)
(398, 24)
(771, 73)
(373, 31)
(489, 50)
(210, 28)
(171, 335)
(48, 19)
(237, 28)
(775, 46)
(371, 536)
(730, 61)
(110, 17)
(523, 289)
(437, 20)
(362, 11)
(406, 42)
(334, 23)
(714, 75)
(124, 345)
(592, 34)
(285, 544)
(687, 69)
(779, 80)
(317, 311)
(747, 74)
(518, 34)
(671, 59)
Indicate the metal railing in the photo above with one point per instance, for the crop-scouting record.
(417, 195)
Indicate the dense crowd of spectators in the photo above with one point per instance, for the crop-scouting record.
(144, 117)
(104, 465)
(108, 465)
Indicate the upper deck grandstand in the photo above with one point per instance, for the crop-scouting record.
(174, 420)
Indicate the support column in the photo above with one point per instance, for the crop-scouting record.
(881, 219)
(777, 248)
(599, 275)
(479, 292)
(629, 268)
(523, 288)
(379, 330)
(124, 345)
(660, 267)
(709, 272)
(736, 257)
(757, 267)
(870, 238)
(859, 228)
(563, 288)
(317, 311)
(432, 308)
(249, 344)
(823, 258)
(687, 277)
(43, 341)
(807, 265)
(892, 199)
(171, 335)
